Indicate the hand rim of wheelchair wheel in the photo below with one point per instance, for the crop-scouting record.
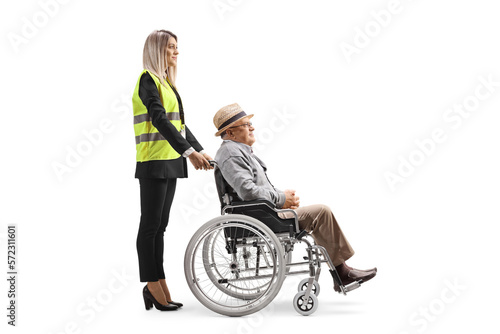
(216, 275)
(234, 266)
(200, 284)
(305, 308)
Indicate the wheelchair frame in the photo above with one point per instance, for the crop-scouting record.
(242, 295)
(316, 254)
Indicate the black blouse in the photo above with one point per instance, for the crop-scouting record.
(164, 169)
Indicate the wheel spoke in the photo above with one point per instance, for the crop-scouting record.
(227, 275)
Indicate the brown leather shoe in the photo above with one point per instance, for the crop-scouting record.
(364, 270)
(354, 275)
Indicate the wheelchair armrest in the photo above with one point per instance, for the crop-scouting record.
(254, 202)
(289, 210)
(261, 202)
(257, 207)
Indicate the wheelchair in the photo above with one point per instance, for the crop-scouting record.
(235, 264)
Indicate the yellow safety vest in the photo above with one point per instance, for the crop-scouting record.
(150, 144)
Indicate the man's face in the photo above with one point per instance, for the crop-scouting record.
(242, 133)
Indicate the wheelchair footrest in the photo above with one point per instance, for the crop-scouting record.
(352, 286)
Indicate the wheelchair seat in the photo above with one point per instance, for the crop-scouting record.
(260, 209)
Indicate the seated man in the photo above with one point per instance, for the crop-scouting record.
(246, 174)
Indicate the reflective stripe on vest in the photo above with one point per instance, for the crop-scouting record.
(173, 116)
(150, 144)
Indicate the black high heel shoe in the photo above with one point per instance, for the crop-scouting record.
(176, 304)
(149, 301)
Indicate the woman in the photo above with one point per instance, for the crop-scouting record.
(163, 142)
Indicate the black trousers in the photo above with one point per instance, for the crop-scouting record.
(156, 199)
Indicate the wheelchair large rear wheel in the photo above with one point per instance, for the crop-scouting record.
(234, 265)
(244, 258)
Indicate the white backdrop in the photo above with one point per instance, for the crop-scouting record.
(386, 110)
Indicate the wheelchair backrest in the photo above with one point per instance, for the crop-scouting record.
(226, 193)
(263, 213)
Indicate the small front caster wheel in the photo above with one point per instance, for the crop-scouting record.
(303, 286)
(305, 307)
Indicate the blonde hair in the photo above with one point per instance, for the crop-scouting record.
(155, 54)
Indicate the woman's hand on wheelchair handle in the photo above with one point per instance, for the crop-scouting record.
(209, 158)
(199, 161)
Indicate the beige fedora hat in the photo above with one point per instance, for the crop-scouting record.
(227, 116)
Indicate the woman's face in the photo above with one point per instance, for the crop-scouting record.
(172, 52)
